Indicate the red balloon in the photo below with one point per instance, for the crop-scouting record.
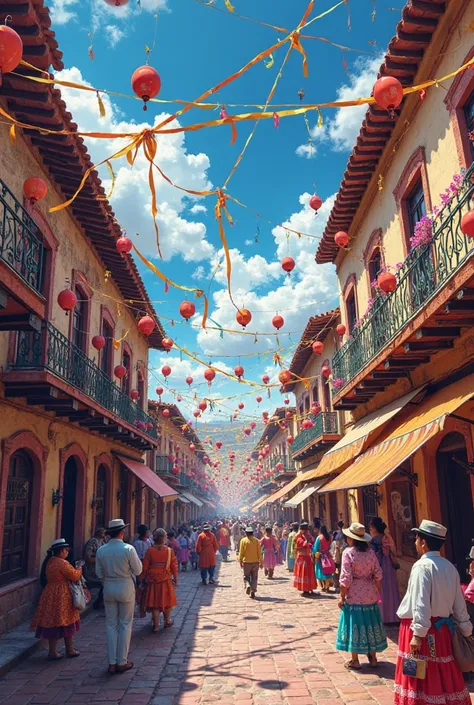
(247, 431)
(202, 405)
(196, 414)
(146, 83)
(286, 401)
(341, 329)
(146, 325)
(467, 224)
(189, 380)
(124, 245)
(285, 376)
(166, 413)
(278, 322)
(209, 374)
(134, 394)
(387, 282)
(167, 343)
(192, 447)
(98, 342)
(35, 188)
(67, 299)
(120, 371)
(243, 317)
(325, 371)
(159, 391)
(241, 405)
(315, 202)
(187, 309)
(288, 415)
(219, 445)
(290, 440)
(239, 371)
(252, 425)
(265, 379)
(117, 3)
(166, 370)
(11, 49)
(149, 426)
(341, 239)
(259, 399)
(288, 264)
(265, 414)
(388, 92)
(318, 347)
(315, 409)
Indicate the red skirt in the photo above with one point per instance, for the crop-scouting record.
(305, 579)
(444, 682)
(159, 596)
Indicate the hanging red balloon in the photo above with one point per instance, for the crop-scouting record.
(192, 447)
(259, 399)
(241, 405)
(146, 325)
(239, 372)
(252, 426)
(35, 188)
(134, 394)
(166, 370)
(98, 342)
(341, 239)
(286, 401)
(167, 343)
(146, 83)
(124, 245)
(187, 309)
(120, 371)
(117, 3)
(67, 299)
(315, 409)
(219, 445)
(467, 224)
(166, 413)
(202, 405)
(11, 50)
(285, 376)
(290, 440)
(288, 264)
(265, 379)
(318, 347)
(278, 322)
(149, 426)
(315, 203)
(159, 391)
(387, 282)
(288, 415)
(243, 317)
(388, 93)
(247, 431)
(341, 329)
(209, 375)
(196, 414)
(189, 380)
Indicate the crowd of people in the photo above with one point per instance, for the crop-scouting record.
(358, 566)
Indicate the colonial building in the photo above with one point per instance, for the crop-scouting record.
(72, 435)
(406, 368)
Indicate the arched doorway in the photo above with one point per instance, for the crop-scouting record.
(455, 499)
(101, 494)
(14, 560)
(68, 517)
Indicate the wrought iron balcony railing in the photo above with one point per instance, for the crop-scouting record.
(423, 273)
(21, 246)
(288, 464)
(51, 350)
(326, 423)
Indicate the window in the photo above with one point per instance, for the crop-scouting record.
(351, 310)
(315, 394)
(17, 519)
(306, 403)
(375, 264)
(79, 320)
(369, 503)
(107, 352)
(127, 363)
(141, 390)
(326, 396)
(101, 497)
(469, 117)
(416, 206)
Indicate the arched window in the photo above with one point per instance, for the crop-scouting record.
(79, 334)
(127, 363)
(306, 402)
(375, 264)
(316, 393)
(141, 390)
(14, 563)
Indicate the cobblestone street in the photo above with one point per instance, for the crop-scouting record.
(224, 647)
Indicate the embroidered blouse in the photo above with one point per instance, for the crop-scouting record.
(359, 570)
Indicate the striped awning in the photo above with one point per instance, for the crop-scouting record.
(358, 438)
(376, 464)
(192, 498)
(303, 494)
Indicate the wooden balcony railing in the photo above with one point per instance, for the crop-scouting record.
(326, 423)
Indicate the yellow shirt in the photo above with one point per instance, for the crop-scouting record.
(250, 550)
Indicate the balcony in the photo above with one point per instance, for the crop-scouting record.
(163, 466)
(50, 371)
(288, 469)
(421, 317)
(22, 256)
(325, 432)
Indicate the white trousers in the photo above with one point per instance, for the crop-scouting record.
(119, 600)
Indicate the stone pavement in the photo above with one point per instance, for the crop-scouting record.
(223, 648)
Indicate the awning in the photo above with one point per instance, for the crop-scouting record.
(283, 491)
(210, 504)
(362, 433)
(303, 494)
(192, 498)
(183, 499)
(146, 475)
(260, 502)
(376, 464)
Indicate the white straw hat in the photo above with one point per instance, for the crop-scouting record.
(433, 529)
(356, 531)
(116, 525)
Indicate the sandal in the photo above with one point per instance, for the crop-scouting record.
(352, 665)
(56, 657)
(169, 624)
(72, 654)
(155, 630)
(126, 667)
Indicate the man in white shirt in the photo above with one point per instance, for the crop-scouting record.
(426, 612)
(116, 565)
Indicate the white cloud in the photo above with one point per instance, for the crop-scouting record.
(247, 272)
(198, 208)
(61, 11)
(308, 151)
(113, 34)
(342, 130)
(248, 243)
(131, 198)
(199, 272)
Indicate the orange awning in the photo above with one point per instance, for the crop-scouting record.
(146, 475)
(358, 438)
(283, 491)
(376, 464)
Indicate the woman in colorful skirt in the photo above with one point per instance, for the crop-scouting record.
(56, 617)
(384, 547)
(305, 579)
(361, 629)
(270, 547)
(184, 549)
(160, 573)
(324, 565)
(290, 549)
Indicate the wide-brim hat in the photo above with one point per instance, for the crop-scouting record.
(59, 543)
(206, 527)
(249, 529)
(116, 525)
(357, 532)
(304, 525)
(432, 529)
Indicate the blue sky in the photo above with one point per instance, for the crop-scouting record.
(196, 47)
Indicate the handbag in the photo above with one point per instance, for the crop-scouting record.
(80, 596)
(395, 563)
(463, 650)
(327, 563)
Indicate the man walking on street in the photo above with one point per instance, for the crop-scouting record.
(206, 547)
(250, 557)
(116, 565)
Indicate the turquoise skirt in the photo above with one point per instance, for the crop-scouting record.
(291, 564)
(361, 629)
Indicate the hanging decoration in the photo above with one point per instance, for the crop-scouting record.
(326, 371)
(278, 322)
(120, 371)
(11, 50)
(467, 224)
(187, 309)
(387, 282)
(134, 394)
(243, 317)
(35, 189)
(318, 347)
(159, 391)
(288, 264)
(189, 381)
(265, 379)
(285, 377)
(124, 245)
(166, 370)
(117, 3)
(341, 239)
(146, 325)
(98, 342)
(341, 329)
(67, 300)
(146, 83)
(167, 343)
(239, 372)
(166, 413)
(388, 93)
(315, 203)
